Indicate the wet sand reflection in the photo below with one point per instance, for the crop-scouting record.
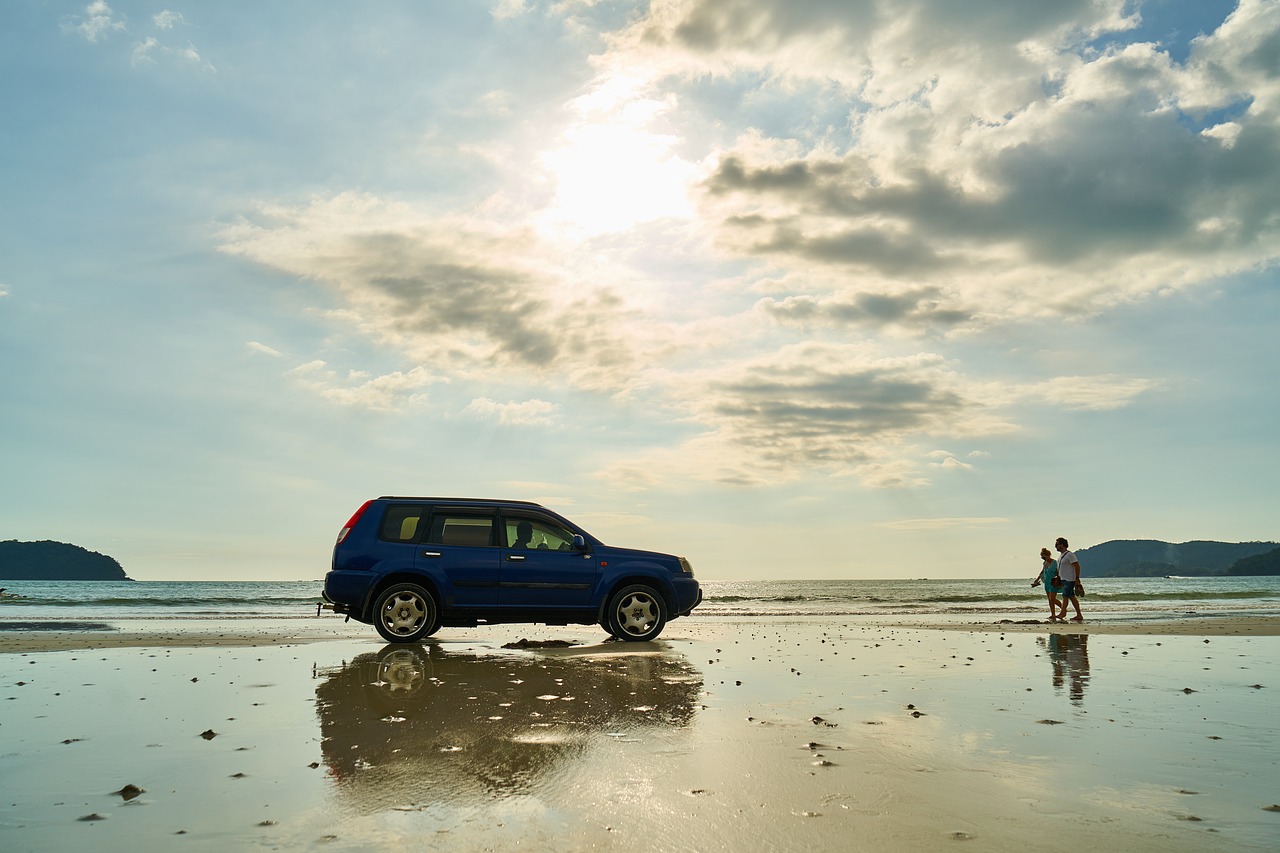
(421, 725)
(1069, 657)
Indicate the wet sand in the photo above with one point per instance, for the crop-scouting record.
(726, 734)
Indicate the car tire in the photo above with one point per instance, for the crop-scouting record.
(405, 613)
(636, 613)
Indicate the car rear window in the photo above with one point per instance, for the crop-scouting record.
(451, 529)
(402, 523)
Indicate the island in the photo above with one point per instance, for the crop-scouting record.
(1148, 558)
(56, 561)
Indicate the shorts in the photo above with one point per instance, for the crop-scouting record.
(1068, 589)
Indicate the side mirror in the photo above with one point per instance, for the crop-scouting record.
(579, 543)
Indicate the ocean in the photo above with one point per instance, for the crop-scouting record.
(51, 604)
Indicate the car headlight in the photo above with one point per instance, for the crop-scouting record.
(686, 567)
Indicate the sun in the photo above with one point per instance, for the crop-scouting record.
(614, 170)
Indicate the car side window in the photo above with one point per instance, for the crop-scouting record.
(456, 529)
(402, 523)
(529, 533)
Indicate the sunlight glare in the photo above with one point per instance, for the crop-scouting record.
(614, 171)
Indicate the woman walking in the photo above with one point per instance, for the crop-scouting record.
(1052, 584)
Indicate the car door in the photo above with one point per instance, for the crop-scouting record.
(540, 567)
(461, 554)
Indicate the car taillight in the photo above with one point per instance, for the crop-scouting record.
(346, 528)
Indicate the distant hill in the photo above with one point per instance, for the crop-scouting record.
(1145, 558)
(1259, 564)
(56, 561)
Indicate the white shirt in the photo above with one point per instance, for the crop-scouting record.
(1067, 564)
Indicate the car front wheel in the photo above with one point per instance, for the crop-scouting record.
(405, 613)
(636, 613)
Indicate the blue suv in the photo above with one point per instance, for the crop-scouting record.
(410, 566)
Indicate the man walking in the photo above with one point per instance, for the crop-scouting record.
(1069, 574)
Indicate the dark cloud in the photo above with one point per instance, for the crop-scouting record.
(817, 404)
(713, 26)
(918, 309)
(449, 299)
(467, 303)
(1101, 184)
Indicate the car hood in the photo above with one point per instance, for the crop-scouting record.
(637, 554)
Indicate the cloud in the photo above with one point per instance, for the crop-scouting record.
(264, 349)
(946, 460)
(147, 51)
(386, 393)
(97, 22)
(838, 408)
(1089, 393)
(997, 163)
(844, 410)
(919, 309)
(527, 413)
(970, 167)
(167, 19)
(453, 292)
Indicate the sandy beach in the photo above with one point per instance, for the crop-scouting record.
(725, 734)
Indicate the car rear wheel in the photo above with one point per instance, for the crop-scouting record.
(636, 613)
(405, 613)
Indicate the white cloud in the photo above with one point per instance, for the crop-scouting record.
(1090, 393)
(142, 51)
(526, 413)
(506, 9)
(386, 393)
(167, 19)
(150, 49)
(264, 349)
(945, 459)
(97, 22)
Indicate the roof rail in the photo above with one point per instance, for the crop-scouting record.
(458, 500)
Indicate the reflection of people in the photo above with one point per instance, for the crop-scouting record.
(1069, 654)
(1069, 572)
(1052, 585)
(524, 535)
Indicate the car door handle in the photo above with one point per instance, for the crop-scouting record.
(431, 553)
(516, 558)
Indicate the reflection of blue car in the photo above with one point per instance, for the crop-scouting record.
(410, 566)
(425, 725)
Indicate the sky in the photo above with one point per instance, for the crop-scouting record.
(793, 288)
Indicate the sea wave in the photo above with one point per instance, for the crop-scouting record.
(1127, 597)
